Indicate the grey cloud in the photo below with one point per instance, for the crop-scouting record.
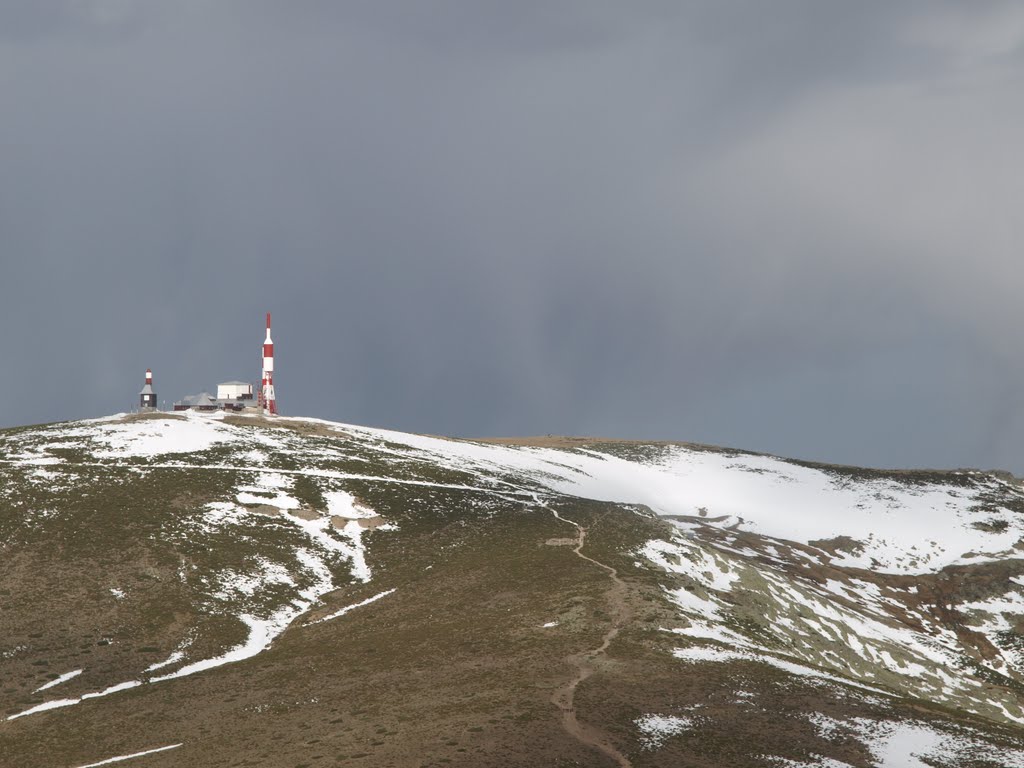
(786, 227)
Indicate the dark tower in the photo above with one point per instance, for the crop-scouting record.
(147, 397)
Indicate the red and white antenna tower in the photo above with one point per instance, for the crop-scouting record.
(267, 401)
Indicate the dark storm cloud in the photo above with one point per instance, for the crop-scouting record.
(788, 226)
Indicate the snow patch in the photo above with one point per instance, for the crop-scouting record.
(344, 504)
(352, 607)
(174, 658)
(261, 633)
(62, 679)
(264, 573)
(912, 744)
(122, 758)
(655, 729)
(696, 654)
(156, 437)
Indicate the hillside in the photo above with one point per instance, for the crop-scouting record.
(231, 591)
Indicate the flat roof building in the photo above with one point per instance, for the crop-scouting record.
(234, 390)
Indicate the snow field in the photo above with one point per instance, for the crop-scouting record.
(154, 437)
(763, 494)
(854, 637)
(915, 744)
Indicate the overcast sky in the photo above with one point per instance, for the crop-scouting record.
(793, 227)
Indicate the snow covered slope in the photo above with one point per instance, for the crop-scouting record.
(889, 586)
(898, 524)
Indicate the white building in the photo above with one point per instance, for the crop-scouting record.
(234, 390)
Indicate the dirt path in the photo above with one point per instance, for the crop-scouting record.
(585, 661)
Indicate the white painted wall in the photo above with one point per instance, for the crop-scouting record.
(233, 391)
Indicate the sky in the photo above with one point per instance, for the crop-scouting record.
(790, 227)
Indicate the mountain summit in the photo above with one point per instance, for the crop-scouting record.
(227, 590)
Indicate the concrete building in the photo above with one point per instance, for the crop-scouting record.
(231, 396)
(234, 390)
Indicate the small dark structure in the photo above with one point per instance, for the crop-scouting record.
(147, 397)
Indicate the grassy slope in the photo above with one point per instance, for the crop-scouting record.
(454, 668)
